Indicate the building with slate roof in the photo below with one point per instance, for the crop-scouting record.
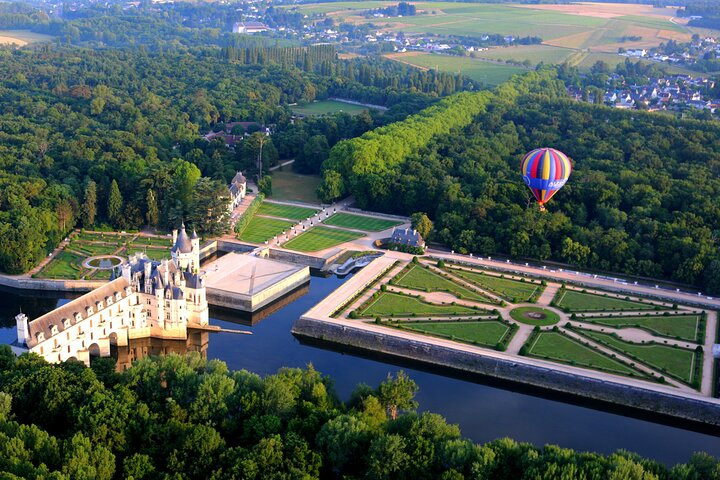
(237, 188)
(158, 299)
(406, 236)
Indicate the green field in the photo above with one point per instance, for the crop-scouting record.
(64, 265)
(676, 361)
(682, 326)
(292, 212)
(488, 73)
(511, 290)
(261, 229)
(361, 222)
(287, 185)
(320, 238)
(487, 333)
(574, 301)
(532, 53)
(393, 304)
(421, 278)
(556, 346)
(524, 315)
(323, 107)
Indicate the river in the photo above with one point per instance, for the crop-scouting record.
(484, 409)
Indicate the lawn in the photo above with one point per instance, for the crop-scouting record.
(361, 222)
(676, 361)
(489, 73)
(293, 212)
(574, 301)
(487, 333)
(393, 304)
(92, 249)
(64, 265)
(153, 241)
(534, 316)
(511, 290)
(260, 229)
(556, 346)
(287, 185)
(421, 278)
(320, 238)
(681, 326)
(324, 107)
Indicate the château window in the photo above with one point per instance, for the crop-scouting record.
(53, 330)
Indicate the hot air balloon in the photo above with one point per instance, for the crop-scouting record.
(545, 171)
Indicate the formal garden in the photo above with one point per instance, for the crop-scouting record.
(71, 262)
(607, 332)
(515, 291)
(419, 277)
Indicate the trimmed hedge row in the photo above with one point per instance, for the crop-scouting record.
(244, 220)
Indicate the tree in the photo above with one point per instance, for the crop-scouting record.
(421, 223)
(208, 211)
(332, 186)
(397, 394)
(115, 202)
(265, 185)
(89, 209)
(313, 155)
(64, 212)
(153, 213)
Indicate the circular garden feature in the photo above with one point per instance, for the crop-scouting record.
(534, 316)
(103, 262)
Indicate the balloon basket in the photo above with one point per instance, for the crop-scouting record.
(542, 208)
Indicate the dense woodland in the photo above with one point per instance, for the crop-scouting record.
(642, 198)
(187, 418)
(75, 120)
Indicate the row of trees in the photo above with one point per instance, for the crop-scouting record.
(641, 199)
(188, 418)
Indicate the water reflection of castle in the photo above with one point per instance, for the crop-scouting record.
(139, 348)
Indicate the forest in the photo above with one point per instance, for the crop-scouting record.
(79, 124)
(642, 198)
(184, 417)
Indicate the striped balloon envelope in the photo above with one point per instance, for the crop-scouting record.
(545, 171)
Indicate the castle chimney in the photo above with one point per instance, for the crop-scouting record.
(175, 234)
(23, 330)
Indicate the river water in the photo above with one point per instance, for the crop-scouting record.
(484, 409)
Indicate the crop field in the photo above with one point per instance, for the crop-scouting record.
(487, 333)
(555, 346)
(261, 229)
(574, 301)
(511, 290)
(287, 185)
(323, 107)
(361, 222)
(393, 304)
(681, 326)
(565, 29)
(292, 212)
(320, 238)
(22, 37)
(421, 278)
(533, 53)
(676, 361)
(489, 73)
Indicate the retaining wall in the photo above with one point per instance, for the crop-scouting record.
(28, 283)
(694, 409)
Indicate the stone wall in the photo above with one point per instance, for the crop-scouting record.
(27, 283)
(299, 258)
(694, 409)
